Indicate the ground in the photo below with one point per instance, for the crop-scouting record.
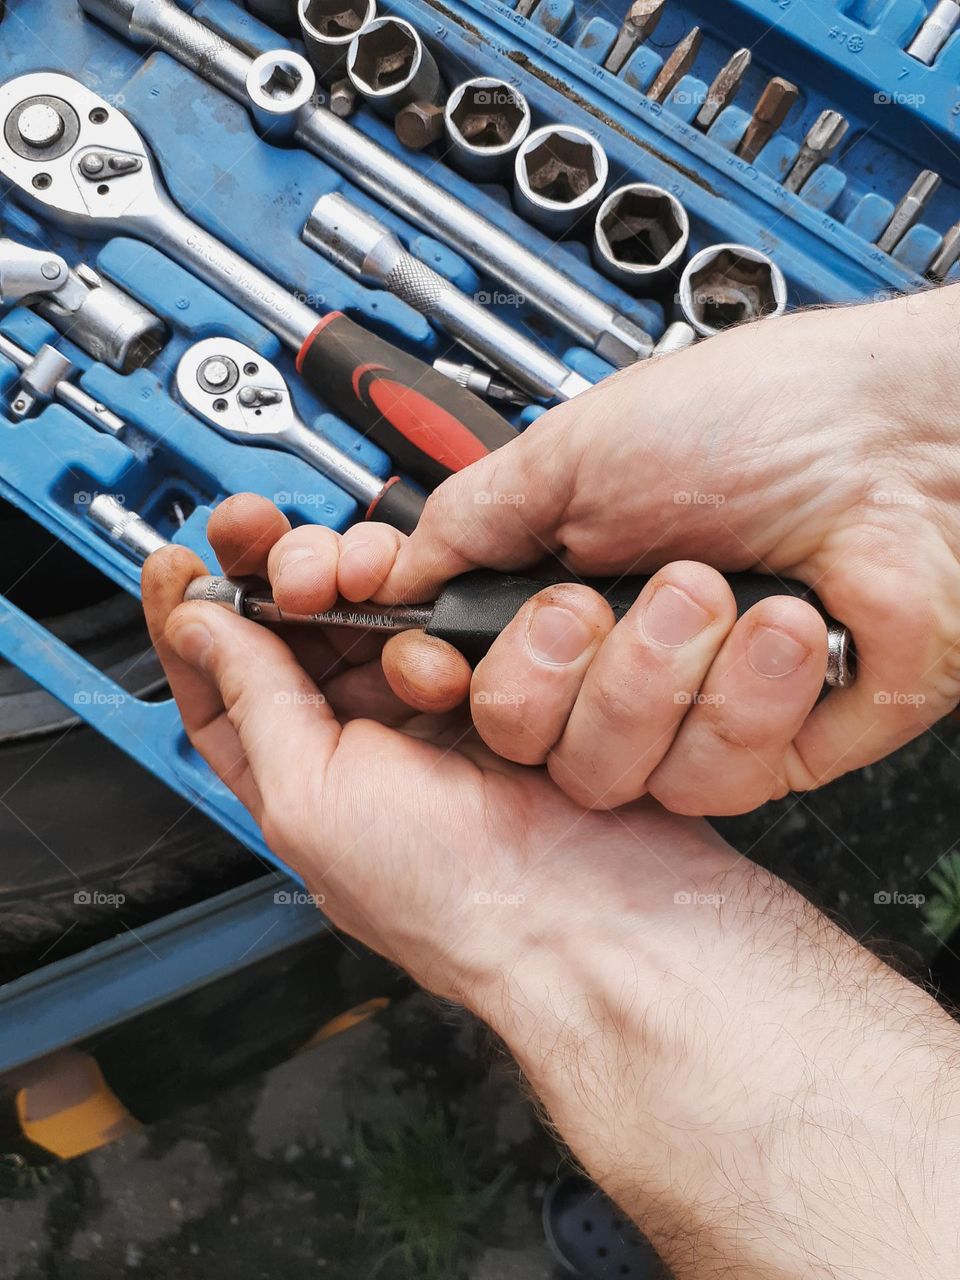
(271, 1178)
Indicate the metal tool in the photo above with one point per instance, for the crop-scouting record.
(642, 17)
(909, 209)
(676, 66)
(388, 63)
(641, 236)
(418, 125)
(724, 88)
(773, 106)
(524, 8)
(327, 27)
(357, 243)
(558, 176)
(43, 377)
(343, 98)
(728, 284)
(676, 337)
(164, 25)
(481, 382)
(947, 255)
(100, 318)
(278, 84)
(473, 609)
(486, 121)
(936, 29)
(96, 177)
(825, 135)
(125, 527)
(244, 397)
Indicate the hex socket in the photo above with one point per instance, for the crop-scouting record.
(559, 175)
(641, 237)
(278, 84)
(486, 121)
(729, 284)
(328, 27)
(390, 66)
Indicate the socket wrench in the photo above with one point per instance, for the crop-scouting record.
(486, 120)
(93, 174)
(162, 24)
(728, 284)
(242, 395)
(389, 65)
(640, 237)
(356, 242)
(327, 27)
(559, 175)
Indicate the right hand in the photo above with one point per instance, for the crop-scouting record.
(820, 446)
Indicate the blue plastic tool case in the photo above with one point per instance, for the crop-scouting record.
(847, 54)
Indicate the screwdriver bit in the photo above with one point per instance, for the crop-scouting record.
(725, 87)
(938, 26)
(677, 65)
(773, 107)
(825, 136)
(638, 25)
(909, 210)
(472, 610)
(947, 255)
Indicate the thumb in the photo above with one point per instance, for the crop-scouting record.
(502, 512)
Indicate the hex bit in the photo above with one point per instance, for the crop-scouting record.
(909, 209)
(642, 17)
(947, 255)
(773, 107)
(826, 134)
(725, 87)
(677, 65)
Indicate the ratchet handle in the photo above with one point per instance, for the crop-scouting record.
(397, 503)
(428, 424)
(473, 609)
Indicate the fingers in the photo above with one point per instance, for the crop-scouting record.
(641, 685)
(428, 674)
(523, 690)
(734, 749)
(241, 530)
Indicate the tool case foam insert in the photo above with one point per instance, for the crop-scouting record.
(256, 196)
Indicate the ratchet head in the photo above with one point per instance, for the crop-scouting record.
(234, 389)
(72, 156)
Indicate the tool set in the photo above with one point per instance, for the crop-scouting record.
(333, 252)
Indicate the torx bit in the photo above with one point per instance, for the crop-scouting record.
(638, 25)
(909, 210)
(677, 65)
(947, 255)
(938, 26)
(824, 137)
(725, 87)
(472, 610)
(773, 107)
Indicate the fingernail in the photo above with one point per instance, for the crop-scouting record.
(557, 636)
(773, 653)
(673, 618)
(192, 643)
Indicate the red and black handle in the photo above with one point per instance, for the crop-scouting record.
(429, 425)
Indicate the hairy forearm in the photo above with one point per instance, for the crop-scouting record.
(761, 1094)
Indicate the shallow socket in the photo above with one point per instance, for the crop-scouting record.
(560, 173)
(727, 284)
(328, 26)
(486, 121)
(641, 235)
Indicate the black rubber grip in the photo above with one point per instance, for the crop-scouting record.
(399, 504)
(473, 609)
(429, 425)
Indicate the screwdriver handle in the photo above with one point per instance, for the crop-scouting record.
(429, 425)
(473, 609)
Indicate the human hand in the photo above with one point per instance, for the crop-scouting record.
(819, 446)
(423, 843)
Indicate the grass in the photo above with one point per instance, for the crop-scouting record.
(422, 1199)
(942, 908)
